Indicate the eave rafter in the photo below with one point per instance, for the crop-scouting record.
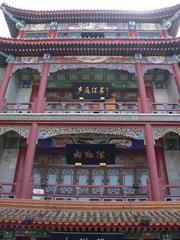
(106, 47)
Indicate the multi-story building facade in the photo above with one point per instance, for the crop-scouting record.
(90, 124)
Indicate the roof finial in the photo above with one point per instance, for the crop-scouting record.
(19, 24)
(4, 54)
(9, 58)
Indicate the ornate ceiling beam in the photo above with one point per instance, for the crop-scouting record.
(46, 132)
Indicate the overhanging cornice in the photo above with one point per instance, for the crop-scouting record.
(99, 47)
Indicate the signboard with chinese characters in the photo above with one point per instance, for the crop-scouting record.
(86, 236)
(91, 90)
(90, 153)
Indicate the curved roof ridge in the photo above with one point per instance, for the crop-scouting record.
(97, 15)
(164, 9)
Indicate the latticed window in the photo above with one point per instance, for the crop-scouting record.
(36, 176)
(67, 179)
(51, 180)
(36, 35)
(148, 35)
(113, 179)
(98, 179)
(128, 179)
(110, 35)
(148, 26)
(82, 179)
(62, 35)
(35, 27)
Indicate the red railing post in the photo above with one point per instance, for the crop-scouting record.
(149, 190)
(149, 105)
(2, 105)
(162, 188)
(33, 105)
(18, 188)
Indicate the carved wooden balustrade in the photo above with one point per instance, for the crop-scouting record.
(7, 190)
(91, 107)
(166, 107)
(100, 192)
(20, 107)
(172, 192)
(92, 192)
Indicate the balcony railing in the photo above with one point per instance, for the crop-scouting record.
(91, 107)
(172, 192)
(7, 190)
(167, 108)
(90, 192)
(11, 107)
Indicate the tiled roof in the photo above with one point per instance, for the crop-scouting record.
(79, 215)
(29, 16)
(106, 47)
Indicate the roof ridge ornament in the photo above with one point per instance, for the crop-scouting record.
(168, 23)
(19, 24)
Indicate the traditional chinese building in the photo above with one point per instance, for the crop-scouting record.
(90, 125)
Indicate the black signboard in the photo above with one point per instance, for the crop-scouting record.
(91, 90)
(90, 153)
(86, 236)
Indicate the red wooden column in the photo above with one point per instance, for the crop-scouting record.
(141, 88)
(26, 186)
(5, 80)
(176, 71)
(152, 165)
(34, 93)
(132, 29)
(149, 92)
(161, 163)
(19, 167)
(20, 33)
(165, 33)
(53, 30)
(42, 88)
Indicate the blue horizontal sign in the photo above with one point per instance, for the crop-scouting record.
(90, 153)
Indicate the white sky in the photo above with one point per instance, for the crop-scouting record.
(83, 4)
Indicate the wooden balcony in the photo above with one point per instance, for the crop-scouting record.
(91, 193)
(91, 107)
